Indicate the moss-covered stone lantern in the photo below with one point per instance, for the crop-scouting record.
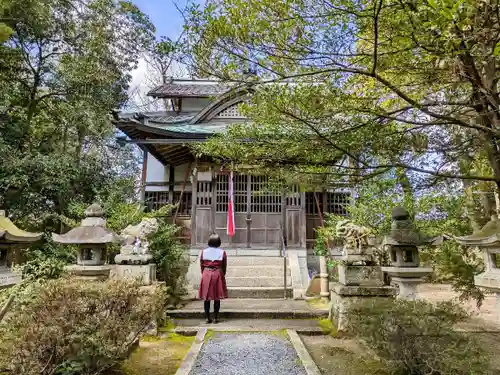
(488, 241)
(402, 245)
(12, 238)
(92, 237)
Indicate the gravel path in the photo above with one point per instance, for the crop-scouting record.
(247, 354)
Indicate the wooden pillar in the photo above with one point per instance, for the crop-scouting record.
(214, 197)
(171, 184)
(194, 203)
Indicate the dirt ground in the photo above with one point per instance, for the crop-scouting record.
(343, 356)
(485, 318)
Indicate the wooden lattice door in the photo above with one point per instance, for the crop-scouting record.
(240, 187)
(257, 211)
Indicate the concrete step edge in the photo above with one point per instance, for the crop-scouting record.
(245, 314)
(256, 277)
(191, 331)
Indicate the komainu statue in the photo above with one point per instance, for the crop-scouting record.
(356, 237)
(135, 249)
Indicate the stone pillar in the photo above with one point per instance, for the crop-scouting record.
(407, 288)
(323, 274)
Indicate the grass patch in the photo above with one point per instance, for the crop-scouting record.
(169, 326)
(158, 355)
(151, 338)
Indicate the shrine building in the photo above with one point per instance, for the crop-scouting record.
(172, 174)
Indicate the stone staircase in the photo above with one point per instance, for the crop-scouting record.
(251, 277)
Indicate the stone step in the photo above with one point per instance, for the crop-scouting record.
(249, 314)
(257, 271)
(302, 326)
(258, 293)
(254, 261)
(258, 281)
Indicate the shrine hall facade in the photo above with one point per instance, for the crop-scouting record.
(171, 174)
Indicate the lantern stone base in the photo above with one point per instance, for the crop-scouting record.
(146, 273)
(9, 278)
(407, 280)
(360, 275)
(90, 272)
(343, 296)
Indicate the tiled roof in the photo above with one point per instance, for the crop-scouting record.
(159, 117)
(171, 119)
(189, 90)
(202, 129)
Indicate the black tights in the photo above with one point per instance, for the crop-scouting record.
(206, 305)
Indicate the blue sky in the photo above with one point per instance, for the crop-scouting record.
(164, 15)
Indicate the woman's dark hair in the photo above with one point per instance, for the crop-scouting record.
(214, 240)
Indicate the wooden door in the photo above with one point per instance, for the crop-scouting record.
(295, 218)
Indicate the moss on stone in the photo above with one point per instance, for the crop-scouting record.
(318, 303)
(328, 327)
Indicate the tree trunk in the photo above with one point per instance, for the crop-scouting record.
(404, 182)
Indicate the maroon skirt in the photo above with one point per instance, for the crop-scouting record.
(213, 285)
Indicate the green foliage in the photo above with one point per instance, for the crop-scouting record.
(457, 265)
(64, 69)
(389, 86)
(436, 212)
(76, 327)
(417, 337)
(170, 257)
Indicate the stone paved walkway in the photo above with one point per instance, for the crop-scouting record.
(248, 354)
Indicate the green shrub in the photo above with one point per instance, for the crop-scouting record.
(417, 337)
(76, 327)
(170, 257)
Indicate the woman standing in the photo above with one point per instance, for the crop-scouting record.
(213, 262)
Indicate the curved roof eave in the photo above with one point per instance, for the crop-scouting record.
(226, 100)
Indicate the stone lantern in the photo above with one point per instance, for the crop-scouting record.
(91, 236)
(11, 237)
(402, 245)
(488, 241)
